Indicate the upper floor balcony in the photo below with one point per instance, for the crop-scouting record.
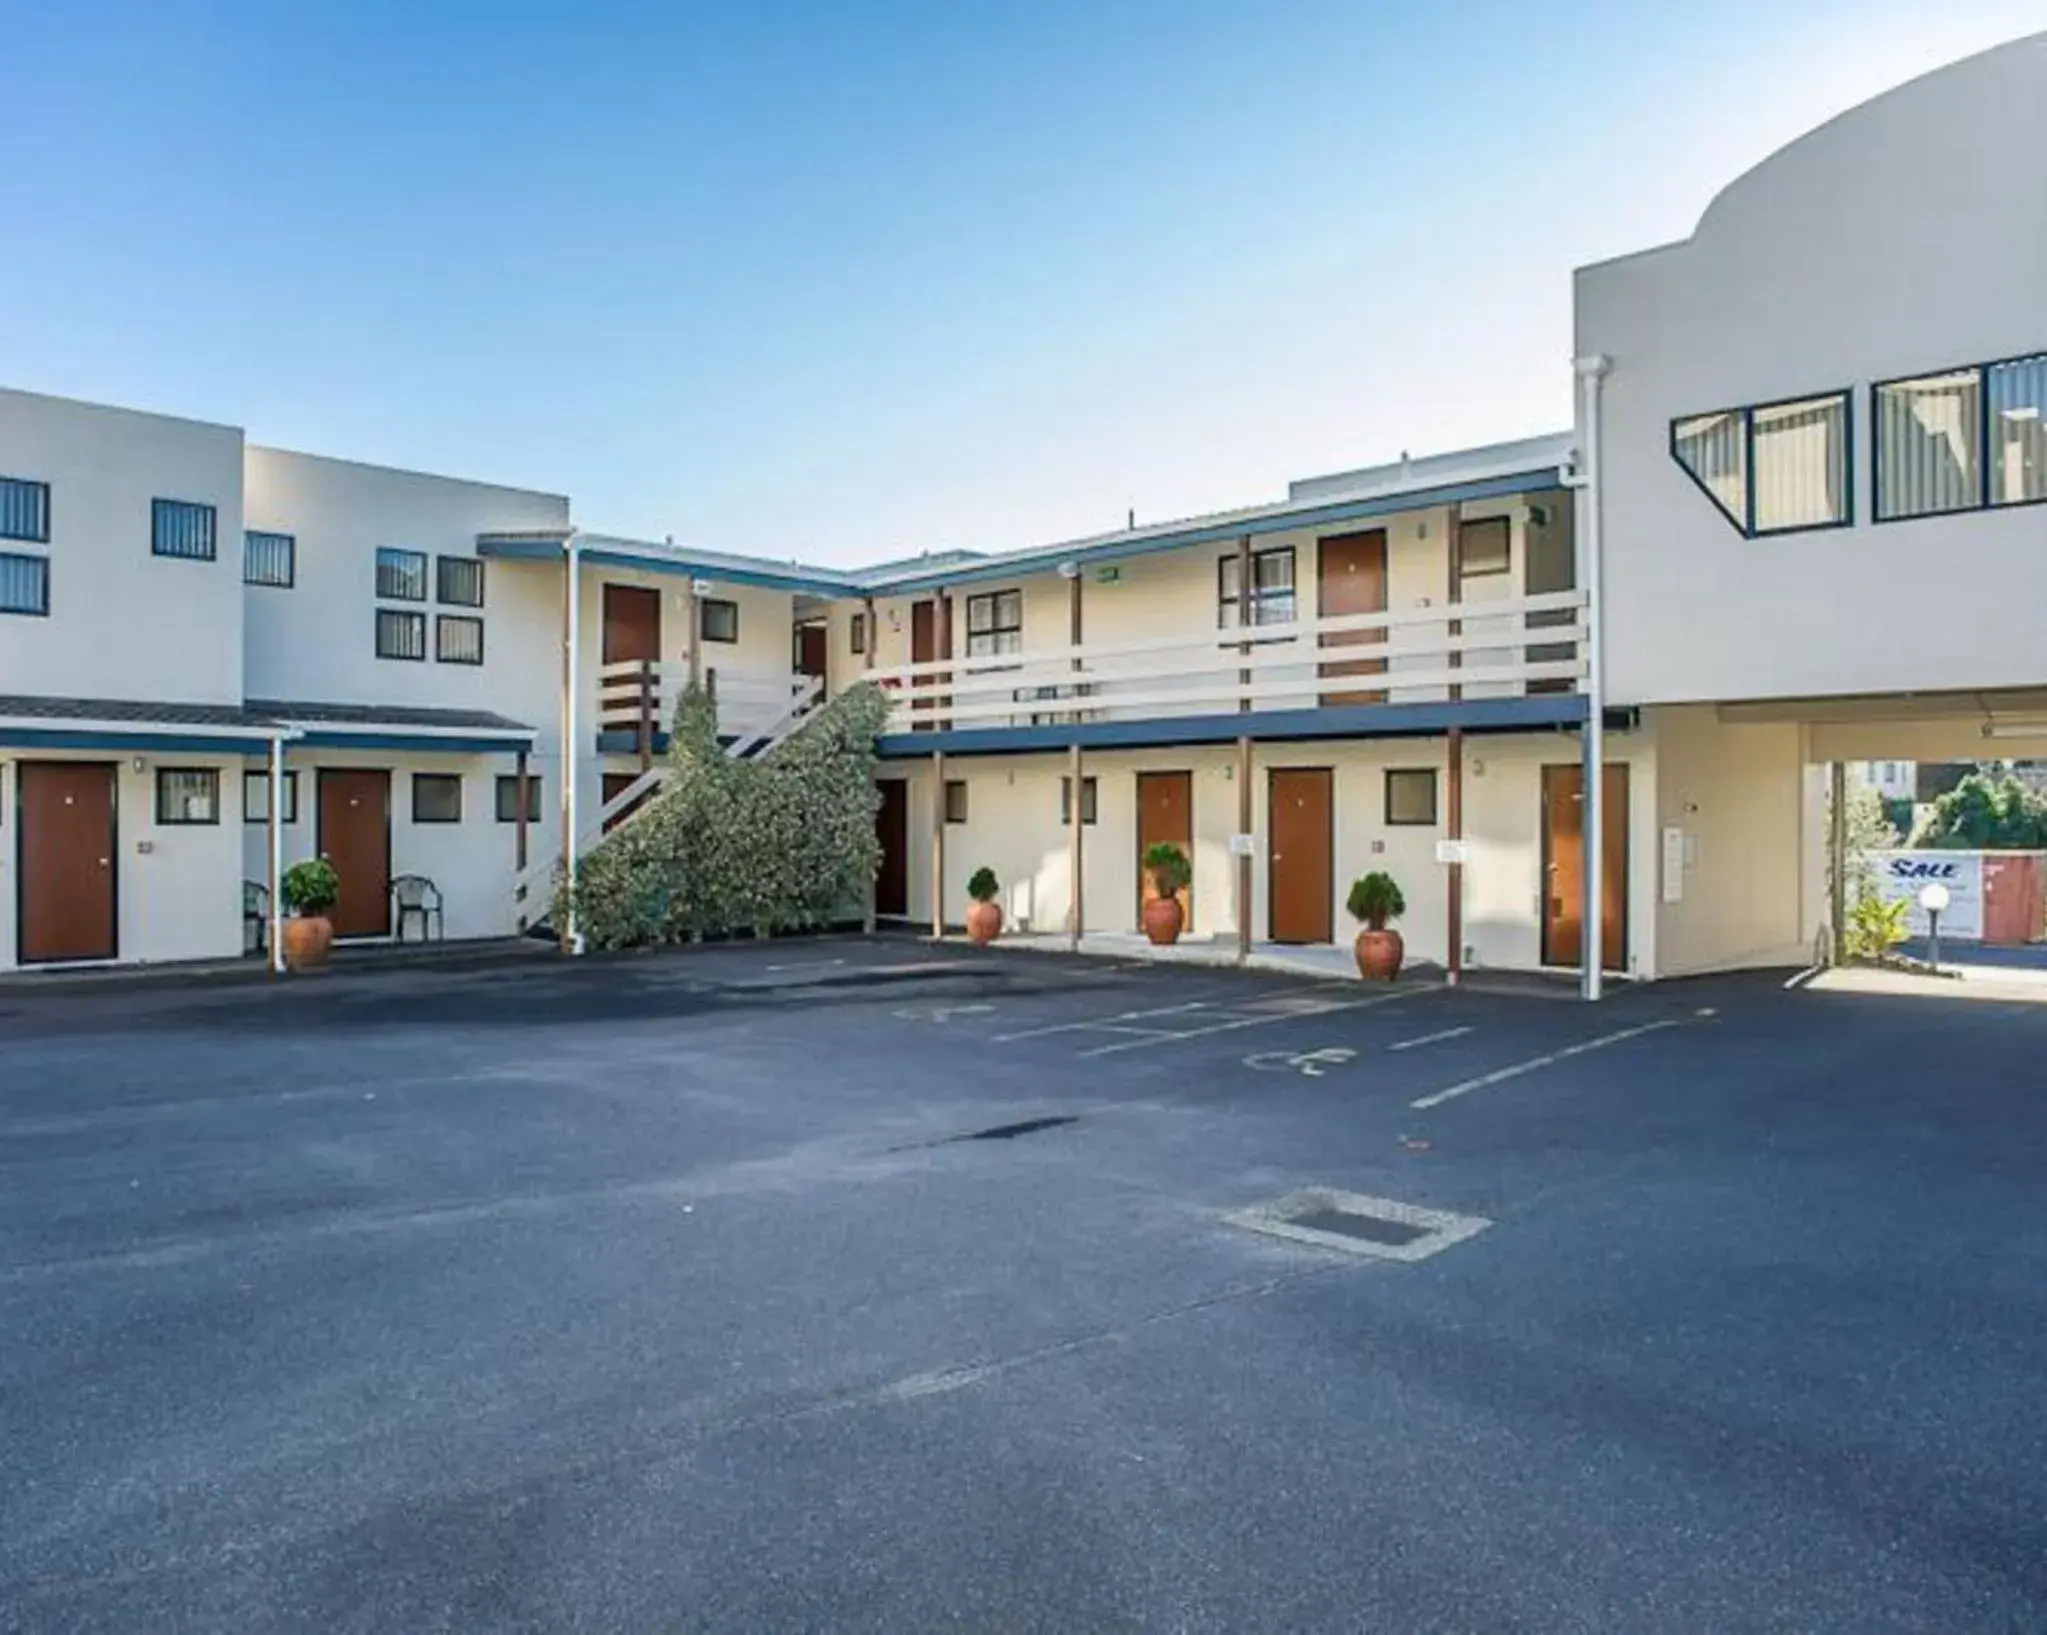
(1512, 661)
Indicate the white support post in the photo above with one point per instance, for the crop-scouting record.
(572, 618)
(276, 838)
(1591, 373)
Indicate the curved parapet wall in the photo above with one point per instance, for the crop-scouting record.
(1905, 238)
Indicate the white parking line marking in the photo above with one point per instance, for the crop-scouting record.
(1257, 1022)
(1430, 1039)
(1500, 1075)
(1106, 1021)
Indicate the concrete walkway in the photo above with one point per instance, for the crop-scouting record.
(1329, 962)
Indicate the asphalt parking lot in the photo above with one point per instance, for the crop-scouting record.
(847, 1284)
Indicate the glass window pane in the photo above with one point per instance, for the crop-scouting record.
(1485, 546)
(24, 510)
(436, 797)
(268, 559)
(508, 798)
(24, 584)
(1801, 464)
(401, 575)
(718, 620)
(1273, 570)
(1714, 449)
(460, 581)
(1927, 436)
(2018, 430)
(457, 640)
(1411, 795)
(182, 528)
(187, 795)
(400, 635)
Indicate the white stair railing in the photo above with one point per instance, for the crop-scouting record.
(623, 808)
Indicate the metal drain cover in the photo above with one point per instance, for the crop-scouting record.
(1359, 1225)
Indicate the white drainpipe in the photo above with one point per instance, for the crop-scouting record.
(1591, 377)
(571, 938)
(277, 854)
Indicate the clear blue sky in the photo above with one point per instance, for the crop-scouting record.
(854, 279)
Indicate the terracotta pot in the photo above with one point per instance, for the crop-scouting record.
(1163, 920)
(306, 939)
(984, 922)
(1379, 954)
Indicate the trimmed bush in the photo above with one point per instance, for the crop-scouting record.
(784, 842)
(1375, 898)
(984, 887)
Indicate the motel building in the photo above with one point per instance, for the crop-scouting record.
(1582, 695)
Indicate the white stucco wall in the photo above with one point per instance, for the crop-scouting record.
(178, 887)
(1906, 237)
(1740, 797)
(1013, 827)
(124, 623)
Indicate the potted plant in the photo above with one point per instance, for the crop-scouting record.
(1170, 871)
(310, 889)
(1373, 901)
(984, 918)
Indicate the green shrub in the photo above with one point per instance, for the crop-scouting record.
(1876, 925)
(311, 887)
(784, 842)
(1170, 869)
(983, 887)
(1375, 899)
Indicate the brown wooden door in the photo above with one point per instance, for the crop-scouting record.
(892, 829)
(616, 784)
(923, 649)
(355, 836)
(1165, 812)
(1299, 868)
(67, 845)
(1563, 867)
(632, 624)
(1350, 577)
(812, 645)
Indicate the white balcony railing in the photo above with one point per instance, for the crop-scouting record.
(752, 707)
(1470, 650)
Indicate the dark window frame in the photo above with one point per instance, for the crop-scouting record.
(256, 777)
(1984, 448)
(956, 813)
(1090, 800)
(42, 610)
(163, 820)
(1745, 525)
(444, 621)
(507, 797)
(704, 606)
(160, 509)
(417, 621)
(436, 780)
(857, 635)
(1435, 801)
(1225, 603)
(41, 492)
(291, 558)
(418, 559)
(462, 564)
(994, 599)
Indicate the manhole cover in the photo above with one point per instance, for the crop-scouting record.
(1359, 1225)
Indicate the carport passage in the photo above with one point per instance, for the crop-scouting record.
(608, 1299)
